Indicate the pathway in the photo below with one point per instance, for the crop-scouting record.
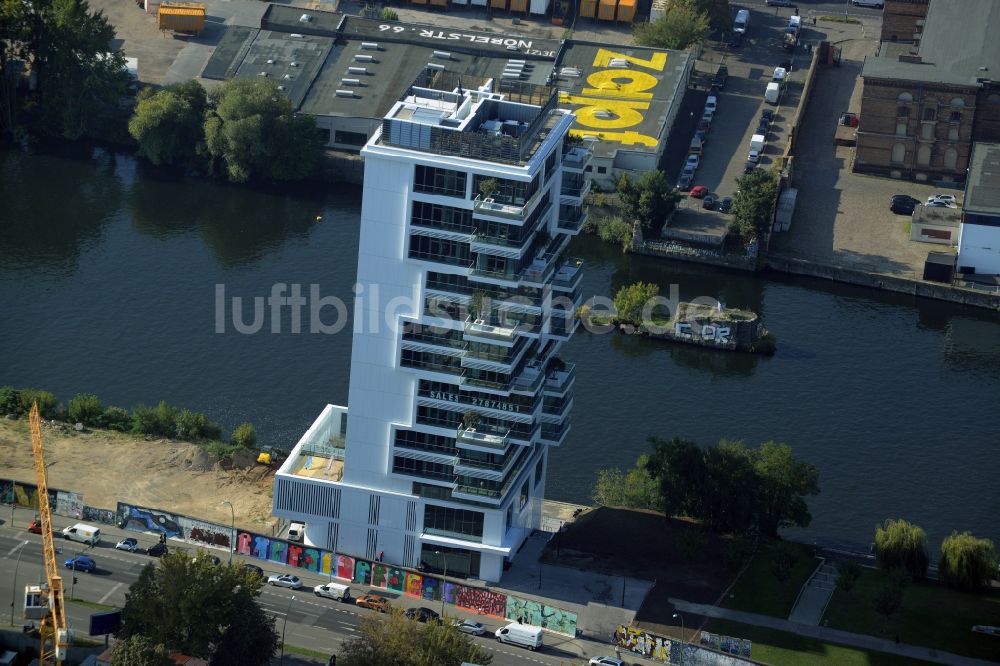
(828, 635)
(815, 595)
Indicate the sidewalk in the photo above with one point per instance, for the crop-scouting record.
(815, 595)
(826, 634)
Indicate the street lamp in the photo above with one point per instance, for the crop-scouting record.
(14, 582)
(680, 617)
(284, 625)
(445, 581)
(232, 530)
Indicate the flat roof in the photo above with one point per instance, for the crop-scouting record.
(292, 62)
(314, 466)
(982, 188)
(592, 89)
(285, 18)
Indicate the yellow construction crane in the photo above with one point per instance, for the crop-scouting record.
(46, 603)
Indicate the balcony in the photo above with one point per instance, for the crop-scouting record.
(572, 218)
(516, 209)
(478, 328)
(569, 275)
(486, 436)
(554, 435)
(529, 380)
(574, 190)
(559, 381)
(576, 159)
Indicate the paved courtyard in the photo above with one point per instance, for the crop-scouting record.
(843, 218)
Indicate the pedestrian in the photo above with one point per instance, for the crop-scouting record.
(381, 555)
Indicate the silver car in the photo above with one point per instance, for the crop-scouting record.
(470, 627)
(285, 580)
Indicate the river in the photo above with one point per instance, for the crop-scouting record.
(108, 271)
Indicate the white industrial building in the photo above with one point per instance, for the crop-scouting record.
(979, 236)
(472, 191)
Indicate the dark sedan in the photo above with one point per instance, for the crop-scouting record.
(725, 205)
(903, 204)
(709, 202)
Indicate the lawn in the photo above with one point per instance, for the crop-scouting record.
(758, 590)
(932, 615)
(784, 649)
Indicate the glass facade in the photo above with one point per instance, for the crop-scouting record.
(455, 562)
(446, 521)
(434, 180)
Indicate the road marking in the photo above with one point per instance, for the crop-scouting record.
(14, 549)
(110, 592)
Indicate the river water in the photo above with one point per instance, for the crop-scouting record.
(108, 274)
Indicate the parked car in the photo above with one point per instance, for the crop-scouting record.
(778, 3)
(903, 204)
(763, 127)
(749, 167)
(709, 202)
(254, 569)
(875, 4)
(711, 104)
(704, 125)
(285, 580)
(736, 41)
(786, 65)
(81, 563)
(422, 614)
(692, 163)
(702, 135)
(469, 627)
(608, 661)
(129, 544)
(684, 182)
(725, 205)
(157, 550)
(698, 191)
(374, 602)
(35, 526)
(948, 200)
(768, 115)
(721, 76)
(753, 156)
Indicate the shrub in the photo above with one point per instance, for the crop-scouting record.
(738, 551)
(244, 436)
(196, 426)
(116, 418)
(10, 400)
(46, 401)
(85, 408)
(902, 545)
(143, 420)
(388, 14)
(166, 420)
(967, 562)
(848, 574)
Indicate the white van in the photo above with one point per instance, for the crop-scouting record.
(83, 533)
(742, 22)
(333, 591)
(773, 93)
(524, 635)
(295, 531)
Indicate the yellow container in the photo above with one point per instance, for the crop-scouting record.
(626, 11)
(588, 8)
(498, 4)
(606, 10)
(519, 6)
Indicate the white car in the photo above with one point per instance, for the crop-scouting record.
(778, 3)
(754, 156)
(711, 104)
(285, 580)
(946, 199)
(877, 4)
(605, 661)
(692, 163)
(470, 627)
(129, 544)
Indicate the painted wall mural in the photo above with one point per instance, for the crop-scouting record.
(92, 514)
(481, 600)
(69, 504)
(141, 519)
(414, 585)
(737, 646)
(636, 641)
(540, 615)
(645, 644)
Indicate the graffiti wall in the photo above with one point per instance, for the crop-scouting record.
(737, 646)
(69, 504)
(540, 615)
(24, 494)
(645, 644)
(481, 600)
(141, 519)
(731, 651)
(92, 514)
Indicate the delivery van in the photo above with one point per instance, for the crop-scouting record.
(83, 533)
(742, 22)
(333, 591)
(295, 531)
(524, 635)
(773, 93)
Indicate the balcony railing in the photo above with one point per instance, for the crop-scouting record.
(572, 219)
(561, 379)
(569, 274)
(486, 436)
(574, 188)
(480, 329)
(576, 158)
(490, 206)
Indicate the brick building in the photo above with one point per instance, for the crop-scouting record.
(903, 20)
(923, 104)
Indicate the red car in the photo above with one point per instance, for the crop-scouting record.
(35, 527)
(698, 191)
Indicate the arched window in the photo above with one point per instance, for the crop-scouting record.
(951, 159)
(903, 112)
(924, 155)
(957, 102)
(905, 97)
(930, 113)
(898, 153)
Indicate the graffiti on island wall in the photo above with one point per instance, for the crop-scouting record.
(206, 533)
(736, 646)
(540, 615)
(69, 504)
(23, 494)
(645, 644)
(92, 514)
(483, 601)
(670, 651)
(141, 519)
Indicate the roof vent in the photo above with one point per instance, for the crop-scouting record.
(357, 70)
(262, 74)
(443, 55)
(369, 46)
(345, 93)
(618, 63)
(270, 61)
(281, 87)
(570, 71)
(293, 64)
(295, 35)
(350, 82)
(435, 66)
(305, 18)
(358, 57)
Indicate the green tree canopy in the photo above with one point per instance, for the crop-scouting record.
(682, 25)
(139, 651)
(901, 545)
(634, 488)
(679, 467)
(649, 199)
(201, 609)
(967, 562)
(719, 14)
(753, 203)
(784, 483)
(394, 640)
(169, 124)
(631, 300)
(85, 408)
(252, 132)
(244, 435)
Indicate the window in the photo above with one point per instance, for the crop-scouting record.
(447, 218)
(445, 521)
(957, 102)
(901, 127)
(927, 131)
(411, 467)
(523, 497)
(930, 113)
(993, 99)
(951, 159)
(601, 169)
(903, 112)
(350, 138)
(439, 181)
(323, 135)
(924, 156)
(539, 470)
(905, 97)
(459, 562)
(953, 133)
(955, 117)
(510, 518)
(439, 250)
(505, 190)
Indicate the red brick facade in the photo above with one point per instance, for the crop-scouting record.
(903, 19)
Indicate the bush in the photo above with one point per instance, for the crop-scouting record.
(46, 401)
(848, 574)
(85, 408)
(902, 545)
(116, 418)
(10, 401)
(967, 563)
(244, 436)
(143, 420)
(195, 426)
(388, 14)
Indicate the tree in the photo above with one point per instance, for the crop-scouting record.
(169, 124)
(681, 26)
(783, 484)
(116, 418)
(718, 12)
(632, 299)
(679, 467)
(650, 199)
(201, 609)
(85, 408)
(138, 650)
(394, 640)
(901, 545)
(727, 495)
(967, 562)
(614, 230)
(889, 599)
(46, 402)
(10, 401)
(848, 574)
(244, 435)
(252, 132)
(635, 489)
(753, 203)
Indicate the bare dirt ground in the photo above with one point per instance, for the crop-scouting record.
(107, 467)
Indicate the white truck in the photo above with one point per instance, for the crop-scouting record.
(773, 93)
(756, 148)
(83, 533)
